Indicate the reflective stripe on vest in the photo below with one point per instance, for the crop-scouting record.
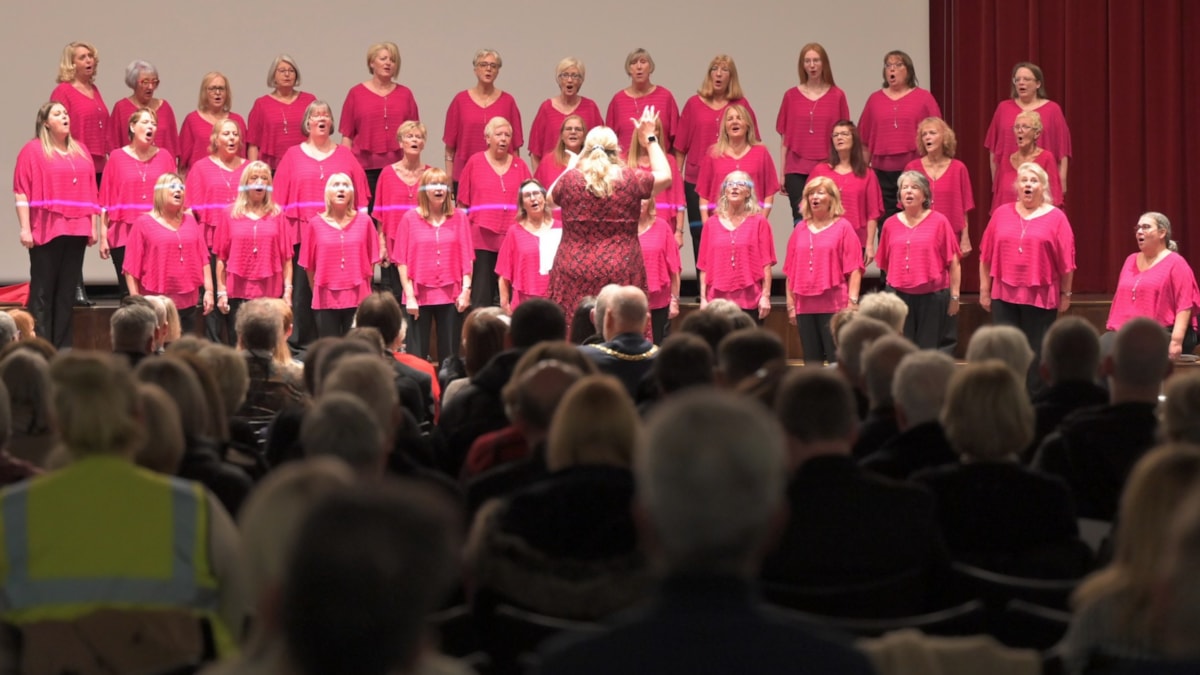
(182, 590)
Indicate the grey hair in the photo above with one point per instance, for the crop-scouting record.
(8, 328)
(1163, 224)
(341, 425)
(922, 183)
(132, 327)
(919, 385)
(853, 339)
(135, 68)
(885, 306)
(879, 363)
(1006, 343)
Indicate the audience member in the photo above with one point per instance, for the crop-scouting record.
(566, 545)
(26, 377)
(996, 513)
(271, 387)
(846, 525)
(1179, 414)
(12, 469)
(709, 326)
(1095, 448)
(413, 398)
(918, 392)
(879, 363)
(885, 306)
(341, 425)
(852, 340)
(738, 317)
(8, 329)
(381, 311)
(485, 334)
(626, 353)
(1004, 343)
(684, 360)
(132, 328)
(26, 326)
(582, 328)
(163, 447)
(1070, 367)
(1177, 602)
(744, 352)
(709, 496)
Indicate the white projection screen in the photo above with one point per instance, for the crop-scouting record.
(437, 41)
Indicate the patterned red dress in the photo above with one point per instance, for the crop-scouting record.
(600, 237)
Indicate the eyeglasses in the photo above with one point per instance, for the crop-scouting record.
(148, 83)
(571, 77)
(894, 64)
(842, 134)
(739, 183)
(1019, 80)
(285, 71)
(1022, 127)
(216, 89)
(576, 129)
(1145, 227)
(488, 65)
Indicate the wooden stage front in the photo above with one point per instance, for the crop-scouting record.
(92, 323)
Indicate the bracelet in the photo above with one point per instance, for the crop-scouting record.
(1067, 293)
(288, 287)
(220, 294)
(954, 297)
(853, 300)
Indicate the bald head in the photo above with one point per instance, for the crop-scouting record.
(627, 311)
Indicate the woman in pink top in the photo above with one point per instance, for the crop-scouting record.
(1027, 129)
(823, 267)
(1029, 94)
(252, 248)
(470, 111)
(570, 142)
(627, 105)
(552, 115)
(889, 123)
(1027, 259)
(671, 202)
(433, 254)
(1157, 282)
(806, 118)
(661, 255)
(142, 77)
(166, 253)
(737, 250)
(487, 188)
(374, 111)
(948, 178)
(396, 193)
(856, 183)
(54, 186)
(212, 186)
(338, 251)
(274, 124)
(700, 126)
(737, 149)
(300, 182)
(127, 188)
(919, 252)
(525, 257)
(214, 105)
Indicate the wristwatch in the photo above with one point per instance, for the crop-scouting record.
(652, 138)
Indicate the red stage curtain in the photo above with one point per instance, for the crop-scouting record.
(1127, 75)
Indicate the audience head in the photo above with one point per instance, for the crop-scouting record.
(330, 355)
(259, 325)
(595, 423)
(839, 319)
(1139, 361)
(710, 483)
(628, 312)
(183, 385)
(987, 415)
(484, 334)
(729, 309)
(174, 329)
(229, 370)
(684, 360)
(371, 380)
(535, 320)
(743, 352)
(370, 336)
(1070, 351)
(879, 363)
(6, 426)
(531, 398)
(162, 451)
(366, 569)
(25, 324)
(709, 326)
(885, 306)
(96, 405)
(581, 321)
(380, 310)
(919, 387)
(816, 406)
(132, 329)
(853, 340)
(34, 345)
(1179, 415)
(312, 360)
(1178, 597)
(8, 329)
(343, 426)
(601, 307)
(26, 377)
(1005, 343)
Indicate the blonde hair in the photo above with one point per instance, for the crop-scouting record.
(207, 80)
(487, 52)
(722, 145)
(836, 208)
(1005, 343)
(160, 191)
(752, 205)
(241, 205)
(216, 134)
(283, 353)
(174, 324)
(570, 62)
(163, 449)
(633, 158)
(638, 54)
(66, 65)
(411, 125)
(987, 414)
(42, 130)
(1159, 483)
(390, 48)
(595, 423)
(495, 123)
(282, 58)
(433, 176)
(1037, 170)
(599, 163)
(351, 206)
(949, 138)
(1032, 116)
(136, 117)
(95, 400)
(1180, 414)
(560, 148)
(734, 91)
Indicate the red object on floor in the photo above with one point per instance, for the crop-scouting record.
(15, 294)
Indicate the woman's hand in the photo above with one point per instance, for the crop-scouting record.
(985, 299)
(791, 310)
(645, 124)
(952, 310)
(223, 303)
(208, 302)
(1175, 349)
(1064, 303)
(411, 306)
(673, 308)
(869, 255)
(26, 237)
(104, 250)
(678, 238)
(764, 307)
(703, 302)
(463, 301)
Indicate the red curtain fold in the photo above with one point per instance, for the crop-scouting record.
(1128, 79)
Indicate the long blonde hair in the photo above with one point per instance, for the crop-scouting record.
(241, 205)
(599, 162)
(43, 131)
(722, 145)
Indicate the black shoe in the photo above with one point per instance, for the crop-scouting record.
(81, 298)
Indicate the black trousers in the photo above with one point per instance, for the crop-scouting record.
(187, 319)
(816, 339)
(695, 219)
(794, 184)
(55, 269)
(229, 321)
(449, 331)
(333, 322)
(485, 284)
(214, 323)
(304, 326)
(925, 324)
(660, 325)
(117, 256)
(1033, 322)
(889, 186)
